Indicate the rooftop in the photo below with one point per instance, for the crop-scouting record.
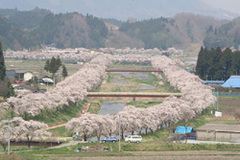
(233, 82)
(219, 127)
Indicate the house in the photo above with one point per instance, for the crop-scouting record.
(218, 132)
(213, 83)
(24, 75)
(10, 73)
(232, 82)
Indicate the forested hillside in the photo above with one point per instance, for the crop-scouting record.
(227, 35)
(180, 31)
(38, 28)
(24, 19)
(45, 28)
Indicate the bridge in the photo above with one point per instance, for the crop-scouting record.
(132, 70)
(133, 94)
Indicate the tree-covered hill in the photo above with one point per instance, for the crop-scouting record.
(37, 28)
(24, 19)
(11, 35)
(227, 35)
(179, 31)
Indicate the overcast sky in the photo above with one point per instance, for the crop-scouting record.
(230, 5)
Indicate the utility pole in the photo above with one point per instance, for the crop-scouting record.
(119, 141)
(9, 135)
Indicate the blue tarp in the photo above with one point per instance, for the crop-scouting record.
(183, 130)
(232, 82)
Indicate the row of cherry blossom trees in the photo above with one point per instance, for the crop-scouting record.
(73, 56)
(196, 98)
(21, 129)
(72, 89)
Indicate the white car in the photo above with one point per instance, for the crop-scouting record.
(133, 138)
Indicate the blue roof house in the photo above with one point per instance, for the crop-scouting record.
(232, 82)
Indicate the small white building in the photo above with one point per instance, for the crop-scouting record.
(24, 75)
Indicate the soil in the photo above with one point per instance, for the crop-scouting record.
(229, 102)
(168, 155)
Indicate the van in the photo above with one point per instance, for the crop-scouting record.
(133, 138)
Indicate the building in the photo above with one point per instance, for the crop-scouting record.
(10, 73)
(218, 132)
(232, 82)
(213, 83)
(24, 75)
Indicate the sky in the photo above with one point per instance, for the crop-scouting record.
(230, 5)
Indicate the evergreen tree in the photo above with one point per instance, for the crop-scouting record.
(53, 66)
(47, 65)
(64, 71)
(2, 64)
(6, 89)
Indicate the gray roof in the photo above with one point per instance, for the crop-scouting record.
(10, 73)
(219, 128)
(21, 72)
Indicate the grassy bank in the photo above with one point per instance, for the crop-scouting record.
(52, 117)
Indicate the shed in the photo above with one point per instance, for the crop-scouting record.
(232, 82)
(218, 132)
(24, 75)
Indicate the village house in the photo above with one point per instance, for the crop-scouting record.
(24, 75)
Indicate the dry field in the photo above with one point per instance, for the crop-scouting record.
(166, 155)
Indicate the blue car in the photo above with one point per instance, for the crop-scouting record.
(110, 139)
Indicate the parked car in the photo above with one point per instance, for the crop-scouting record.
(133, 138)
(110, 139)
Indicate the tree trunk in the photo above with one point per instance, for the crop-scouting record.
(151, 130)
(146, 131)
(85, 137)
(29, 142)
(4, 147)
(25, 116)
(122, 133)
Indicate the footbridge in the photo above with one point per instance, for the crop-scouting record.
(132, 70)
(133, 94)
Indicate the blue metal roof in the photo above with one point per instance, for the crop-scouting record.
(233, 82)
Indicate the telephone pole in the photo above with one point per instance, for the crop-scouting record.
(9, 136)
(119, 141)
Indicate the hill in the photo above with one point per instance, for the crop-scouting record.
(227, 35)
(180, 31)
(24, 19)
(37, 28)
(124, 9)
